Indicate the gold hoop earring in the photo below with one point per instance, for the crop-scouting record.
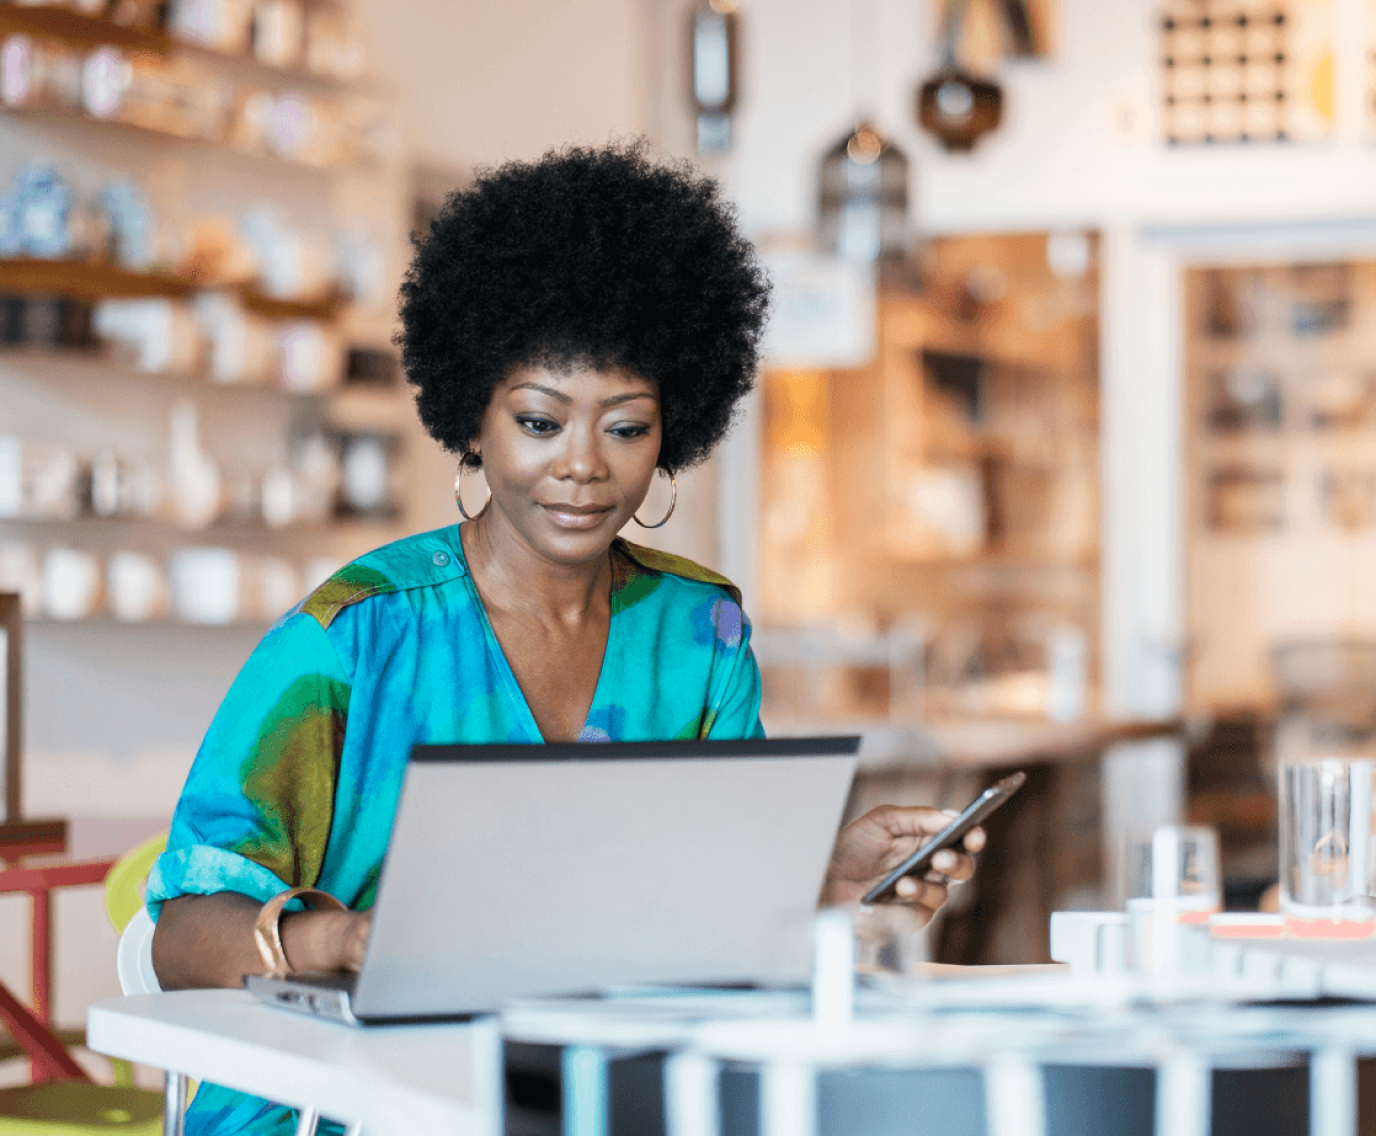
(468, 460)
(673, 500)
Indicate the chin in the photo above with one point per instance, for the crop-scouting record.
(565, 546)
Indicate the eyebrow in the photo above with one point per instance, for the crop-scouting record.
(615, 400)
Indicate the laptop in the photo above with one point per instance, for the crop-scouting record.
(519, 870)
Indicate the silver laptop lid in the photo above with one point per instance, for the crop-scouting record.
(521, 870)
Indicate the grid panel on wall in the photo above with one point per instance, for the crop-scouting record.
(1246, 71)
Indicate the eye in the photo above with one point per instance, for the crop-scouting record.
(628, 431)
(536, 424)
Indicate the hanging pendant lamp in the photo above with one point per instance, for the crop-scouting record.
(956, 106)
(862, 190)
(863, 197)
(714, 51)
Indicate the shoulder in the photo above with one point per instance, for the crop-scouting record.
(652, 565)
(420, 561)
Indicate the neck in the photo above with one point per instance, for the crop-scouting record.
(512, 577)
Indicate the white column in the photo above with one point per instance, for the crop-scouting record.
(1142, 456)
(738, 491)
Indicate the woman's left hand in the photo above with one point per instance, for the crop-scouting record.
(868, 849)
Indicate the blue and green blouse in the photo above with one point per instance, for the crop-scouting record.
(297, 781)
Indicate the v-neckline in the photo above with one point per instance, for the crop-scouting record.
(494, 647)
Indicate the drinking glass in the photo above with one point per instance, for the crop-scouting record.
(1325, 751)
(889, 940)
(1326, 848)
(1173, 882)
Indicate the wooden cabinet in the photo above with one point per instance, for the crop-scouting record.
(948, 490)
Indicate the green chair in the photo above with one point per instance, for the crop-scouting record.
(62, 1100)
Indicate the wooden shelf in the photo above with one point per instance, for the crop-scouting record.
(81, 281)
(87, 281)
(82, 120)
(55, 364)
(81, 31)
(161, 623)
(85, 33)
(224, 532)
(270, 307)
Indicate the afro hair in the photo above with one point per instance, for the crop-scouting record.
(593, 257)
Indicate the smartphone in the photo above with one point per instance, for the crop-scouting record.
(973, 814)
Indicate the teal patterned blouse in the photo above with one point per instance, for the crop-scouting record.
(297, 781)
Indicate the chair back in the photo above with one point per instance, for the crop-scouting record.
(124, 903)
(134, 959)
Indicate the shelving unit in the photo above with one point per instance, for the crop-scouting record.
(1280, 470)
(139, 694)
(93, 401)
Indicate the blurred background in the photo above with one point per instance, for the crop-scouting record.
(1066, 430)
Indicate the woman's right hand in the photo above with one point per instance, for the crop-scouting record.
(326, 940)
(207, 940)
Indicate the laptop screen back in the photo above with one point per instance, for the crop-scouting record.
(524, 870)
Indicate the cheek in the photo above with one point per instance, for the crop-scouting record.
(512, 461)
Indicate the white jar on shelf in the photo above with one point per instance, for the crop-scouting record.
(71, 584)
(279, 32)
(157, 335)
(137, 587)
(310, 356)
(206, 585)
(242, 348)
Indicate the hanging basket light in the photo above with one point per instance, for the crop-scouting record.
(959, 108)
(863, 197)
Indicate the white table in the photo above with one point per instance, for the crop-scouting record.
(388, 1079)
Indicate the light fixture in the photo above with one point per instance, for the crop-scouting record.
(714, 47)
(862, 192)
(863, 197)
(953, 104)
(958, 107)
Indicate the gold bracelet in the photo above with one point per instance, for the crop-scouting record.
(267, 931)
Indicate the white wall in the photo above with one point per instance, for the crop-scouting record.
(483, 82)
(1080, 142)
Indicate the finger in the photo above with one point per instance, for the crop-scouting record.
(974, 840)
(953, 864)
(920, 893)
(911, 820)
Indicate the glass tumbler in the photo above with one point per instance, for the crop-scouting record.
(1325, 750)
(1326, 847)
(1173, 883)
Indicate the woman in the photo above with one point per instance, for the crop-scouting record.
(574, 327)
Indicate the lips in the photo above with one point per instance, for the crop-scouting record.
(576, 516)
(561, 507)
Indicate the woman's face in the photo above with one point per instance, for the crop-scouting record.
(569, 456)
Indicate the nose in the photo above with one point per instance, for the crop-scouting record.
(581, 459)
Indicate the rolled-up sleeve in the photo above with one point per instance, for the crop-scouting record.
(255, 814)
